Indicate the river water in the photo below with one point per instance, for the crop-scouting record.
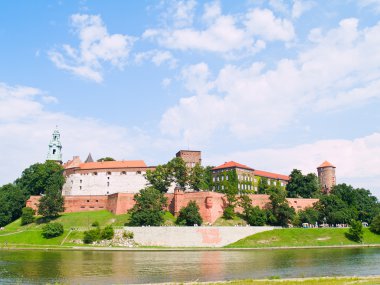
(126, 267)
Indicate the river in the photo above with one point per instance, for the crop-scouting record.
(126, 267)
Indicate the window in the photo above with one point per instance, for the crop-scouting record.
(123, 173)
(108, 173)
(97, 201)
(108, 184)
(138, 172)
(53, 151)
(80, 181)
(88, 201)
(95, 173)
(80, 187)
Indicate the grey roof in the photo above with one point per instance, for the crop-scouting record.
(89, 158)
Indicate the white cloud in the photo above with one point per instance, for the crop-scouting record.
(26, 127)
(375, 4)
(300, 7)
(158, 57)
(184, 12)
(96, 47)
(357, 161)
(263, 23)
(339, 69)
(166, 82)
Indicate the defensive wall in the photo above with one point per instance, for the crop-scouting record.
(211, 204)
(192, 236)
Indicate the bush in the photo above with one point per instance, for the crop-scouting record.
(27, 216)
(51, 230)
(355, 233)
(107, 232)
(189, 215)
(95, 224)
(375, 225)
(91, 236)
(229, 213)
(128, 235)
(255, 216)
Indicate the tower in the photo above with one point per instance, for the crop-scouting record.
(55, 148)
(326, 175)
(191, 157)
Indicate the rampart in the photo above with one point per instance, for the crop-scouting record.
(211, 204)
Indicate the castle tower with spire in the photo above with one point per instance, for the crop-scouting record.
(326, 175)
(55, 148)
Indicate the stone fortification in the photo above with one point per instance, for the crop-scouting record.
(192, 236)
(211, 204)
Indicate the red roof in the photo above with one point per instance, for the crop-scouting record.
(113, 164)
(326, 164)
(271, 175)
(232, 164)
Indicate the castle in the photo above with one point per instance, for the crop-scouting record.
(94, 185)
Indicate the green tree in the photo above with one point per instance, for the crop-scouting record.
(208, 178)
(308, 215)
(190, 215)
(263, 186)
(52, 203)
(254, 216)
(197, 178)
(231, 191)
(375, 225)
(107, 158)
(355, 231)
(279, 211)
(159, 178)
(12, 200)
(27, 216)
(334, 210)
(149, 208)
(38, 177)
(51, 230)
(305, 186)
(178, 171)
(107, 233)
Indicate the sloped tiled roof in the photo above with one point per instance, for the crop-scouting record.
(271, 175)
(326, 164)
(232, 164)
(89, 158)
(113, 164)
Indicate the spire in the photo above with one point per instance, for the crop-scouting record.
(55, 147)
(89, 158)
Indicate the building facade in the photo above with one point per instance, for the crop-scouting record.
(191, 157)
(326, 176)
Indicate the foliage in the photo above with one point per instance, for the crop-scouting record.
(334, 211)
(263, 186)
(190, 215)
(229, 212)
(128, 235)
(52, 203)
(51, 230)
(178, 171)
(12, 200)
(308, 215)
(149, 208)
(159, 178)
(355, 233)
(279, 213)
(27, 216)
(375, 225)
(199, 178)
(95, 224)
(91, 235)
(107, 158)
(37, 178)
(253, 215)
(230, 190)
(107, 232)
(305, 186)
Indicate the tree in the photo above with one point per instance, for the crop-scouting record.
(149, 208)
(279, 211)
(305, 186)
(375, 225)
(178, 171)
(52, 203)
(355, 231)
(263, 186)
(253, 215)
(159, 178)
(12, 200)
(308, 215)
(107, 158)
(38, 177)
(27, 216)
(197, 178)
(51, 230)
(190, 215)
(231, 191)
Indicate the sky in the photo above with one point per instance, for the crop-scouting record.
(275, 85)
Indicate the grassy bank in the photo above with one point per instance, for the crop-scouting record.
(309, 281)
(298, 237)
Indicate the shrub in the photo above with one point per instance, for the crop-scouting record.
(27, 216)
(355, 233)
(95, 224)
(128, 234)
(255, 216)
(189, 215)
(51, 230)
(375, 225)
(229, 213)
(91, 236)
(107, 232)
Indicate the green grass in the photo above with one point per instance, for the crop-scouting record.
(303, 237)
(235, 221)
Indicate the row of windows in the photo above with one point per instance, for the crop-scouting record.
(121, 173)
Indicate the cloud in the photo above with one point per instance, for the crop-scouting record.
(339, 69)
(157, 57)
(225, 34)
(96, 47)
(26, 126)
(357, 161)
(374, 4)
(300, 7)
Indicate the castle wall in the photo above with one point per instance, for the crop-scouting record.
(211, 204)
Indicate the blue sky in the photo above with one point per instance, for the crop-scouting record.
(273, 84)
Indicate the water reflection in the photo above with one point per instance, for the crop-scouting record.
(105, 267)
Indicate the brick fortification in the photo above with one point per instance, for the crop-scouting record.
(326, 175)
(211, 204)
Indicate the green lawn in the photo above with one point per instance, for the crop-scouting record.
(236, 221)
(302, 237)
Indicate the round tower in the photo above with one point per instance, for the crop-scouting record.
(326, 175)
(55, 148)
